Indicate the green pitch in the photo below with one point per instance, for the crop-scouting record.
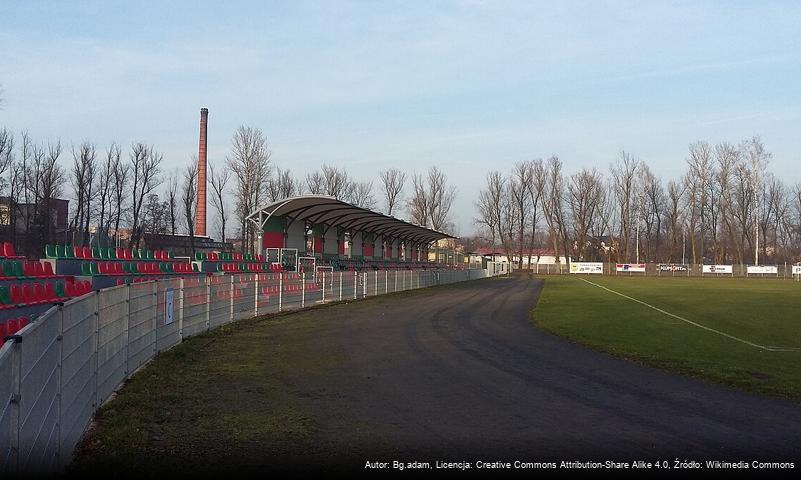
(747, 332)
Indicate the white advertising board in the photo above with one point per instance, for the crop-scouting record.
(796, 269)
(672, 267)
(630, 267)
(762, 270)
(718, 269)
(587, 267)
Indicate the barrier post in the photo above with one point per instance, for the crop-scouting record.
(59, 382)
(395, 274)
(323, 299)
(256, 296)
(96, 347)
(366, 279)
(386, 281)
(127, 328)
(231, 298)
(155, 322)
(280, 291)
(355, 281)
(303, 291)
(375, 287)
(208, 302)
(181, 310)
(14, 401)
(340, 285)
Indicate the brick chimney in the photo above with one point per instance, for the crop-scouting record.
(200, 214)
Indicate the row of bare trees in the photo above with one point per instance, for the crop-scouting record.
(726, 208)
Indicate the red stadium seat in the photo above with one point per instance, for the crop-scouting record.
(8, 250)
(50, 291)
(3, 331)
(16, 294)
(23, 322)
(27, 293)
(87, 252)
(39, 294)
(27, 269)
(12, 326)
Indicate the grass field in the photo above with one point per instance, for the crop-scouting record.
(764, 312)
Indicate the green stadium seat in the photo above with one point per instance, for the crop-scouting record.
(96, 252)
(50, 251)
(69, 251)
(60, 290)
(94, 268)
(17, 269)
(195, 268)
(198, 256)
(150, 255)
(86, 269)
(112, 253)
(5, 296)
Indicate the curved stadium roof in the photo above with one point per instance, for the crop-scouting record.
(329, 211)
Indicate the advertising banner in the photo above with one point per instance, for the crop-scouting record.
(630, 267)
(762, 270)
(672, 267)
(718, 269)
(587, 267)
(796, 269)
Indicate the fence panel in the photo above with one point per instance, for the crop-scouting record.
(77, 369)
(141, 324)
(7, 428)
(38, 401)
(112, 315)
(167, 313)
(195, 305)
(244, 295)
(268, 293)
(221, 296)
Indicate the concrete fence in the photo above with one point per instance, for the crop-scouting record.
(57, 371)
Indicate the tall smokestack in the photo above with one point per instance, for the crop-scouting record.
(200, 215)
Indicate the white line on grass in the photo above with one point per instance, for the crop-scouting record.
(768, 348)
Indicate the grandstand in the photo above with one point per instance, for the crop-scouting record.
(301, 236)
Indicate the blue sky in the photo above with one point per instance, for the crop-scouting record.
(470, 86)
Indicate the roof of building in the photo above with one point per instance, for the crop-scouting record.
(329, 211)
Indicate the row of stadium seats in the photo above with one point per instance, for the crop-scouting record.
(229, 257)
(135, 268)
(20, 269)
(103, 253)
(28, 294)
(7, 251)
(249, 267)
(13, 325)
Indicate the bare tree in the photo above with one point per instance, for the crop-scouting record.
(219, 180)
(584, 194)
(675, 217)
(145, 167)
(553, 207)
(249, 162)
(623, 179)
(283, 185)
(392, 181)
(105, 190)
(417, 205)
(489, 205)
(172, 197)
(120, 193)
(440, 199)
(83, 178)
(189, 201)
(50, 181)
(361, 194)
(315, 183)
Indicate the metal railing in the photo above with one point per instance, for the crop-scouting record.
(57, 371)
(785, 271)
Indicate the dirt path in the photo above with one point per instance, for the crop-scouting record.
(456, 373)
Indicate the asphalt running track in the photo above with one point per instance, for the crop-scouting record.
(459, 373)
